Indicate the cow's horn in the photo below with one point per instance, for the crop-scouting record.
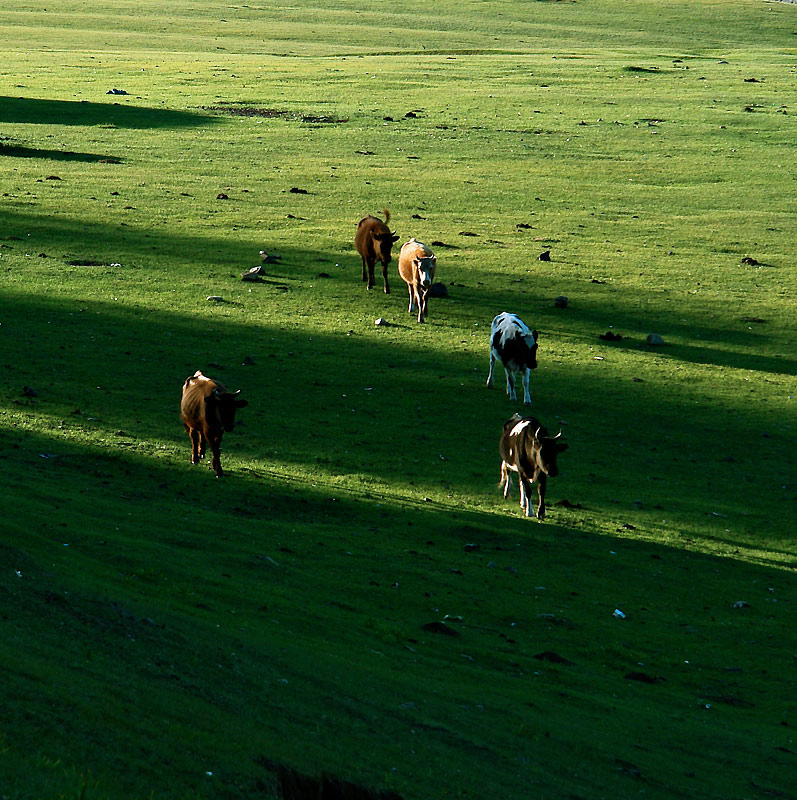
(537, 432)
(557, 435)
(238, 392)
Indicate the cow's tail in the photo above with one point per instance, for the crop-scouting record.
(386, 212)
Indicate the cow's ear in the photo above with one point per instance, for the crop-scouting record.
(536, 335)
(395, 237)
(240, 403)
(562, 446)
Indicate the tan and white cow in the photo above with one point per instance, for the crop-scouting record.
(416, 265)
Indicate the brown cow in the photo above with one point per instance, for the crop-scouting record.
(526, 448)
(207, 410)
(416, 266)
(374, 241)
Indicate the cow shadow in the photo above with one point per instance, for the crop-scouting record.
(84, 112)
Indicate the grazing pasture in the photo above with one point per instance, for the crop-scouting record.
(355, 597)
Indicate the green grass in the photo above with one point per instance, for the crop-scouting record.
(164, 634)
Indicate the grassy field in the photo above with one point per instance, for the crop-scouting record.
(164, 634)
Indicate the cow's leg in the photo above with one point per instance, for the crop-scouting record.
(425, 302)
(492, 366)
(195, 438)
(371, 265)
(525, 495)
(365, 271)
(215, 447)
(419, 301)
(510, 384)
(384, 278)
(541, 482)
(412, 297)
(526, 392)
(506, 483)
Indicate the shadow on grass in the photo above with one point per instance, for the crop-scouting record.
(371, 410)
(721, 346)
(83, 112)
(139, 604)
(18, 151)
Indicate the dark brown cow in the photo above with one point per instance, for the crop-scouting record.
(207, 410)
(526, 448)
(374, 241)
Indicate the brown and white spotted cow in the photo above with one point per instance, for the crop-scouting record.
(526, 448)
(416, 265)
(207, 410)
(374, 242)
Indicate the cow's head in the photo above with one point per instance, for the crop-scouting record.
(224, 405)
(424, 269)
(386, 240)
(546, 451)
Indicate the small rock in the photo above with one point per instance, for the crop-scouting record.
(655, 339)
(438, 290)
(324, 275)
(253, 275)
(116, 91)
(214, 298)
(248, 361)
(610, 336)
(551, 657)
(750, 262)
(270, 258)
(741, 604)
(29, 391)
(564, 503)
(546, 256)
(561, 301)
(440, 627)
(222, 196)
(381, 323)
(470, 547)
(297, 190)
(643, 677)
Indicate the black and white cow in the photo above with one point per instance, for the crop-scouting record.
(526, 448)
(515, 346)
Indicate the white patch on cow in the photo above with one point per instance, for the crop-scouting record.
(509, 326)
(519, 427)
